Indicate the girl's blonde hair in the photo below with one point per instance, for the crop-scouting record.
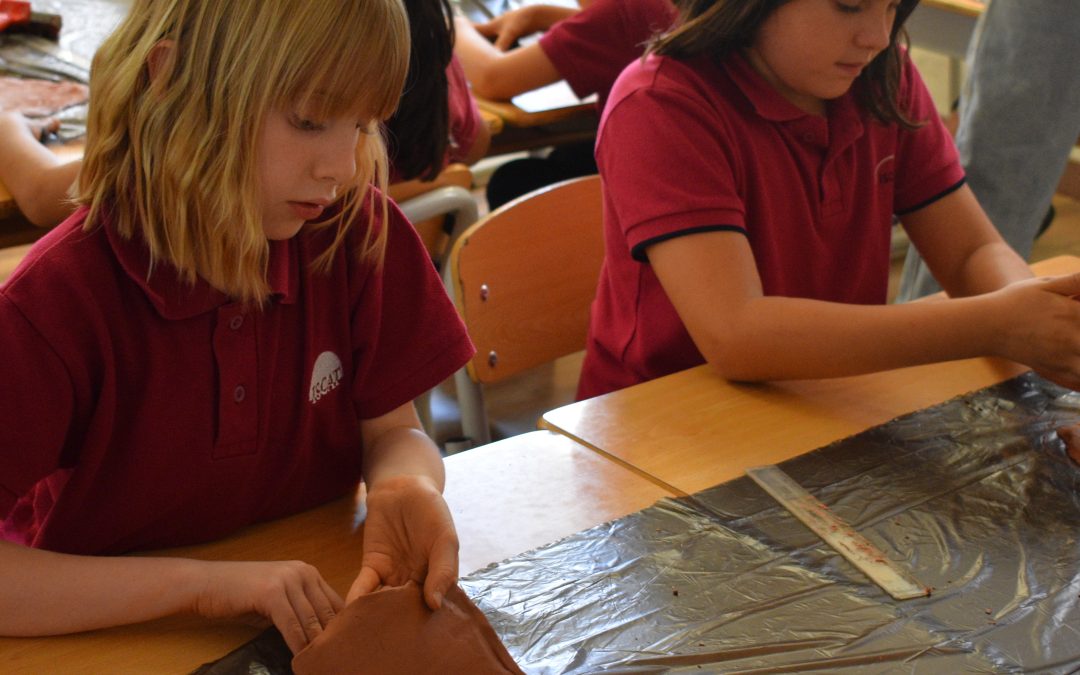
(174, 156)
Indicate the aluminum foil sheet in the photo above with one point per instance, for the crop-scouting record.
(975, 497)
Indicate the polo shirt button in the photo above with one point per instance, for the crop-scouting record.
(239, 393)
(236, 322)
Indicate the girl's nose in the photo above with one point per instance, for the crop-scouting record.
(337, 161)
(876, 29)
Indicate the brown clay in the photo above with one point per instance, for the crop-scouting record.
(38, 98)
(393, 631)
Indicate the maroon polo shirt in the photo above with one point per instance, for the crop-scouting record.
(694, 146)
(140, 412)
(590, 48)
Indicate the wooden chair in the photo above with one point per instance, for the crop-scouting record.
(10, 257)
(523, 279)
(427, 205)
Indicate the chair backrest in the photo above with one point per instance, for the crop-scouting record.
(427, 204)
(524, 277)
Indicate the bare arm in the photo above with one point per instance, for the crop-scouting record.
(46, 593)
(499, 75)
(962, 247)
(34, 176)
(478, 149)
(507, 28)
(712, 280)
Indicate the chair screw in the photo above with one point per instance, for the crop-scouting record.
(484, 292)
(493, 358)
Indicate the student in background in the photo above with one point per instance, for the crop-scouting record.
(436, 122)
(751, 167)
(231, 328)
(1019, 120)
(587, 48)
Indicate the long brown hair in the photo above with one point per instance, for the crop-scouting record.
(718, 27)
(174, 157)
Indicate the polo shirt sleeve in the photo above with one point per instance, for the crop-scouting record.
(407, 335)
(668, 164)
(927, 163)
(590, 48)
(36, 406)
(465, 119)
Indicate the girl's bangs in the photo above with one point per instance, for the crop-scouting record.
(360, 75)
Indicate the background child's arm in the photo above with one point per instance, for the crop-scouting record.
(34, 176)
(499, 75)
(46, 593)
(508, 28)
(961, 246)
(712, 280)
(409, 533)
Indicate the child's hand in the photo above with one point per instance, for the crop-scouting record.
(291, 594)
(507, 28)
(1041, 326)
(408, 534)
(38, 127)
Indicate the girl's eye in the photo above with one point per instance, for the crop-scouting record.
(848, 8)
(305, 124)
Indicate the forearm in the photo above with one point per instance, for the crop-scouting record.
(498, 75)
(988, 268)
(403, 451)
(46, 593)
(778, 338)
(34, 176)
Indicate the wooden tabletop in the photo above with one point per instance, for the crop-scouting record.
(506, 497)
(514, 116)
(970, 8)
(693, 429)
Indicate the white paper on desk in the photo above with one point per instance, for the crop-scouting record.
(551, 97)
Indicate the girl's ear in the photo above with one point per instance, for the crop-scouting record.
(160, 61)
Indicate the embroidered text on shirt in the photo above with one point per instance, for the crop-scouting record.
(325, 376)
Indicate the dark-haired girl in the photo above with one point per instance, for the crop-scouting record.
(752, 164)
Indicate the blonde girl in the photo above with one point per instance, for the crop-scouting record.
(230, 329)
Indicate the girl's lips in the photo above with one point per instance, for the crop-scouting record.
(306, 210)
(851, 69)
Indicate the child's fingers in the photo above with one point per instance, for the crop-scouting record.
(442, 572)
(367, 581)
(1071, 437)
(1068, 284)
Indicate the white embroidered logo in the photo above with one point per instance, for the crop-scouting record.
(325, 376)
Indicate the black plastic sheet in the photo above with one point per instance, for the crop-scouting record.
(975, 497)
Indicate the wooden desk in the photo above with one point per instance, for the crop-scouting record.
(527, 131)
(506, 498)
(9, 258)
(693, 429)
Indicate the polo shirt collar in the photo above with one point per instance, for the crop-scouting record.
(841, 127)
(769, 103)
(175, 299)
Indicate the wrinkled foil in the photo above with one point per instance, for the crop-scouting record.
(975, 497)
(86, 24)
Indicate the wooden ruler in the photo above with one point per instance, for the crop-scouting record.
(870, 560)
